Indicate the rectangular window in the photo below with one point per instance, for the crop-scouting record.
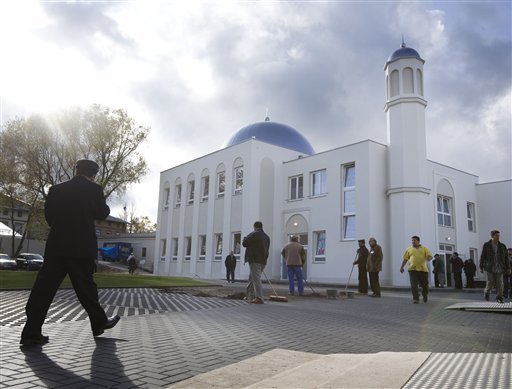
(444, 213)
(319, 182)
(471, 217)
(237, 240)
(202, 247)
(191, 191)
(296, 187)
(175, 249)
(221, 184)
(205, 183)
(177, 200)
(188, 247)
(239, 179)
(143, 254)
(218, 247)
(349, 202)
(20, 213)
(163, 244)
(319, 242)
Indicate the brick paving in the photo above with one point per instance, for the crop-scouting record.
(155, 350)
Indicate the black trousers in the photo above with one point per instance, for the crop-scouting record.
(418, 278)
(230, 273)
(457, 277)
(48, 281)
(363, 280)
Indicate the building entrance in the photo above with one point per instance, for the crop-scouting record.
(303, 240)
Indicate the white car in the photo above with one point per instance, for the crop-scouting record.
(6, 263)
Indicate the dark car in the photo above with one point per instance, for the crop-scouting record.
(30, 261)
(6, 263)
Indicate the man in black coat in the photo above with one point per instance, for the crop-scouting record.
(257, 244)
(70, 210)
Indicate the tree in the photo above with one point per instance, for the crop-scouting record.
(141, 224)
(41, 150)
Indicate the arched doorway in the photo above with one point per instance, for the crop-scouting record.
(296, 225)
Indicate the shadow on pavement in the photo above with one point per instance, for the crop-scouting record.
(106, 368)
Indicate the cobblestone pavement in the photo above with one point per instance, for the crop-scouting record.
(155, 350)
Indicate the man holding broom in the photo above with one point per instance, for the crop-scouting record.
(257, 244)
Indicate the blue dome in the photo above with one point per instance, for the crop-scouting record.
(404, 52)
(274, 133)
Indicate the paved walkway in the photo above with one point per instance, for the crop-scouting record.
(161, 348)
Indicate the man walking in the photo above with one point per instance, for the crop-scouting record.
(71, 249)
(230, 264)
(416, 256)
(494, 260)
(294, 256)
(457, 266)
(361, 261)
(257, 244)
(374, 266)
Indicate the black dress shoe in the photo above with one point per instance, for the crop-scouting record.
(39, 341)
(111, 323)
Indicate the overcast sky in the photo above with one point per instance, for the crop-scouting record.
(197, 71)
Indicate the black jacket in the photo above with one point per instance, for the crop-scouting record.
(257, 244)
(70, 210)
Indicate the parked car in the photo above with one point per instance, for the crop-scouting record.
(30, 261)
(6, 263)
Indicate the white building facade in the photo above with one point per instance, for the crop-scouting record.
(269, 172)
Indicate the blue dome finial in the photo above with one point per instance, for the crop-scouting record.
(404, 52)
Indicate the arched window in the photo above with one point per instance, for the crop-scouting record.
(238, 176)
(393, 84)
(408, 80)
(419, 81)
(205, 185)
(220, 183)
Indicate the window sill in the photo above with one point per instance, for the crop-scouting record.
(294, 200)
(317, 196)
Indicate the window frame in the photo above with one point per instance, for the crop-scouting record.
(347, 189)
(319, 257)
(175, 246)
(322, 174)
(205, 190)
(188, 248)
(221, 182)
(177, 195)
(219, 241)
(191, 188)
(298, 186)
(442, 213)
(236, 237)
(202, 247)
(470, 213)
(238, 181)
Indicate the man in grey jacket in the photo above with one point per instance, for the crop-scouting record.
(257, 244)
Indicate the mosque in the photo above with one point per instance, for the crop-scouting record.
(270, 172)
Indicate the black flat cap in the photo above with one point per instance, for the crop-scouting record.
(87, 166)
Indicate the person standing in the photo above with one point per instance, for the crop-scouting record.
(416, 256)
(470, 271)
(257, 244)
(507, 278)
(132, 263)
(494, 261)
(374, 266)
(71, 249)
(361, 260)
(294, 257)
(457, 266)
(230, 264)
(438, 263)
(436, 278)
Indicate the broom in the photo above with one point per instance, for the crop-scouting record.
(275, 297)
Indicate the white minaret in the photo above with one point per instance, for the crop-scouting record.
(410, 208)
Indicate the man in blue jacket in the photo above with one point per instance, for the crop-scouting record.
(71, 249)
(257, 244)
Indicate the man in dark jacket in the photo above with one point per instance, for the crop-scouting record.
(230, 264)
(70, 210)
(257, 244)
(457, 266)
(470, 271)
(495, 263)
(361, 261)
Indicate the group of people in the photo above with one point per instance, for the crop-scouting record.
(369, 262)
(457, 266)
(72, 207)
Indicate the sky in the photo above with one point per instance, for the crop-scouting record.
(198, 71)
